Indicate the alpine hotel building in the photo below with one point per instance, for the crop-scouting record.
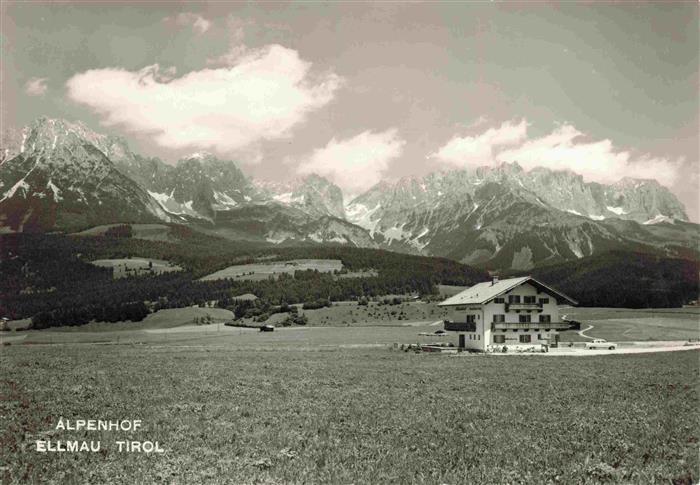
(512, 312)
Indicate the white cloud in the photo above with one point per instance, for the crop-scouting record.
(565, 148)
(355, 164)
(262, 96)
(36, 86)
(480, 149)
(199, 24)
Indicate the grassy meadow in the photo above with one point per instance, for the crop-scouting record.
(349, 313)
(336, 405)
(625, 325)
(263, 271)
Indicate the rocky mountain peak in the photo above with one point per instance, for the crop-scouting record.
(312, 193)
(202, 156)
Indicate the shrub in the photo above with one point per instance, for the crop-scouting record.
(314, 305)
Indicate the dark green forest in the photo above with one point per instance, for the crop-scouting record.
(49, 277)
(625, 280)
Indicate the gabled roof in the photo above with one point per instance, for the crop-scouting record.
(484, 292)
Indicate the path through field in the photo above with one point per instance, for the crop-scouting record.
(581, 332)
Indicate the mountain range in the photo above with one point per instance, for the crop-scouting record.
(60, 175)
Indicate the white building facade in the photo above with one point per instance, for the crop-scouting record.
(516, 312)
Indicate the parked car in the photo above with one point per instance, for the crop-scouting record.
(267, 328)
(600, 343)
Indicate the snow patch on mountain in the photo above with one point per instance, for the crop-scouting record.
(278, 240)
(19, 185)
(169, 204)
(575, 247)
(286, 198)
(56, 192)
(617, 210)
(223, 201)
(416, 241)
(396, 233)
(361, 215)
(659, 219)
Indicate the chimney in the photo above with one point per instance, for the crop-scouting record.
(494, 280)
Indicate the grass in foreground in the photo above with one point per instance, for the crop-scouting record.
(226, 413)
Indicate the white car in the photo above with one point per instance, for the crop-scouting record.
(600, 343)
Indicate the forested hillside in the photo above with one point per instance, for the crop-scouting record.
(624, 279)
(49, 277)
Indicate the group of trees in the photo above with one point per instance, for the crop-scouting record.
(82, 314)
(121, 230)
(625, 280)
(49, 277)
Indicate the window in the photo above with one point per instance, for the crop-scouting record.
(500, 299)
(525, 339)
(545, 318)
(529, 299)
(544, 301)
(524, 318)
(470, 318)
(499, 339)
(539, 336)
(499, 319)
(513, 298)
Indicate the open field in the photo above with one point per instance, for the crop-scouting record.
(619, 324)
(349, 313)
(149, 232)
(260, 271)
(334, 405)
(136, 266)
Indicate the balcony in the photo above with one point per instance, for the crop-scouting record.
(517, 307)
(460, 326)
(529, 326)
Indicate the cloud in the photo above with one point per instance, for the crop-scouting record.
(480, 149)
(36, 86)
(565, 148)
(355, 164)
(262, 96)
(199, 24)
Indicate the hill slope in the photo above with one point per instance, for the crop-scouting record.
(622, 279)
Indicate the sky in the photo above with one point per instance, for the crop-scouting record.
(363, 92)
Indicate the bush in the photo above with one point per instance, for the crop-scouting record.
(315, 305)
(122, 230)
(295, 319)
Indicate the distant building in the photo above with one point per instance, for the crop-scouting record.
(512, 312)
